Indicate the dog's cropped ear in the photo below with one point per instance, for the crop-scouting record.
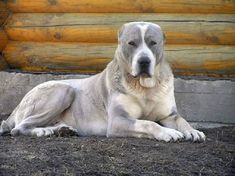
(120, 32)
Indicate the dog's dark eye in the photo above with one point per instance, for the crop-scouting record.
(153, 43)
(132, 43)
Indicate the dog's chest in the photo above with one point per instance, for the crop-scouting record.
(154, 105)
(148, 104)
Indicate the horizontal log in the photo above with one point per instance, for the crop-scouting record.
(93, 28)
(4, 12)
(3, 39)
(218, 61)
(159, 6)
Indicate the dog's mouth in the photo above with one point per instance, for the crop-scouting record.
(143, 72)
(143, 75)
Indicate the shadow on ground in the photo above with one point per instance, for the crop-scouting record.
(118, 156)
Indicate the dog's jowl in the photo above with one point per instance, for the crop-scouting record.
(132, 97)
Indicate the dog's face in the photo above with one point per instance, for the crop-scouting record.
(141, 45)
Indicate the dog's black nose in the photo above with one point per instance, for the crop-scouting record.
(144, 61)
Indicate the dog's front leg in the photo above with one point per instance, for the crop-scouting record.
(177, 122)
(120, 124)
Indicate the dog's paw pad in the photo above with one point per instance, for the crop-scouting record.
(66, 132)
(15, 132)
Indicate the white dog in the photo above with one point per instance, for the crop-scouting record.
(134, 92)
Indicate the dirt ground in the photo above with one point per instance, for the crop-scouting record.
(73, 155)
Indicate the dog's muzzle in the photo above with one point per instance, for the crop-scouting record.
(144, 66)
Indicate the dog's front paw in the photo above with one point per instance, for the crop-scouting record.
(167, 135)
(194, 135)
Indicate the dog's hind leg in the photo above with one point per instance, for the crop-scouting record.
(41, 108)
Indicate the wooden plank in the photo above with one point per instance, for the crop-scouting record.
(159, 6)
(4, 12)
(214, 61)
(217, 61)
(60, 19)
(3, 39)
(90, 28)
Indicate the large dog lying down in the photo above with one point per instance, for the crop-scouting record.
(134, 92)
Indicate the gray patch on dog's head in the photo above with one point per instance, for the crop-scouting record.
(129, 33)
(154, 38)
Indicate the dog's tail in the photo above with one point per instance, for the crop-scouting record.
(9, 124)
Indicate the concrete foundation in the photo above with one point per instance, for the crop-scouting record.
(197, 100)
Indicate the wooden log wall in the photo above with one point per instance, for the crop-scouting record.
(4, 13)
(81, 36)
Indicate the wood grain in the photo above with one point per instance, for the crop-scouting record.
(199, 60)
(4, 12)
(102, 28)
(156, 6)
(3, 39)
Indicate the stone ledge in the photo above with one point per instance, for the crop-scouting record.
(197, 100)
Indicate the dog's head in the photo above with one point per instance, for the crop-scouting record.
(141, 47)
